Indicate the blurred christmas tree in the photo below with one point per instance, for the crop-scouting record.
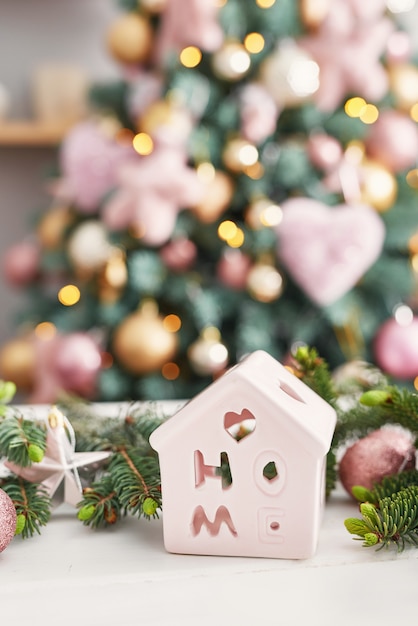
(250, 182)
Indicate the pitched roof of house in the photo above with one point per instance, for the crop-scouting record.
(309, 415)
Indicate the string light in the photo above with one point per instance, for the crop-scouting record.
(265, 4)
(227, 230)
(254, 43)
(172, 323)
(414, 112)
(412, 178)
(369, 114)
(45, 330)
(403, 315)
(206, 172)
(170, 371)
(69, 295)
(190, 56)
(358, 107)
(237, 240)
(143, 144)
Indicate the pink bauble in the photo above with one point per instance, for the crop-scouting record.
(233, 268)
(77, 362)
(7, 520)
(384, 452)
(21, 263)
(396, 348)
(393, 140)
(179, 255)
(90, 160)
(324, 152)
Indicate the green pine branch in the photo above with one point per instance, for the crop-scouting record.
(131, 485)
(386, 487)
(393, 521)
(137, 482)
(100, 505)
(22, 441)
(32, 504)
(314, 371)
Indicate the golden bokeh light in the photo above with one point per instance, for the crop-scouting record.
(190, 56)
(265, 4)
(412, 178)
(170, 371)
(414, 112)
(143, 144)
(172, 323)
(254, 43)
(355, 106)
(45, 331)
(227, 230)
(69, 295)
(206, 172)
(237, 240)
(369, 114)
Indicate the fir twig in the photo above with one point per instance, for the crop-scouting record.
(137, 482)
(393, 521)
(314, 371)
(100, 505)
(32, 504)
(386, 487)
(22, 441)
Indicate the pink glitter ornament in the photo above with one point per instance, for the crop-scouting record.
(384, 452)
(7, 520)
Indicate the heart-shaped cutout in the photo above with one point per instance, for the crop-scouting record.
(239, 425)
(326, 250)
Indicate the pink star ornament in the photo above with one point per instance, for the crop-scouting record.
(348, 51)
(60, 465)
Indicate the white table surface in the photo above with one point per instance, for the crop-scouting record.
(122, 576)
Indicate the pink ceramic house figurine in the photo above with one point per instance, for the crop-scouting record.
(243, 465)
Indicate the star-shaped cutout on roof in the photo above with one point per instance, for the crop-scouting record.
(60, 465)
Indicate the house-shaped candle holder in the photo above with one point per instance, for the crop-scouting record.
(243, 465)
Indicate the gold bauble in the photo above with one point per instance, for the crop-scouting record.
(378, 185)
(403, 78)
(264, 282)
(216, 198)
(207, 355)
(51, 229)
(231, 62)
(129, 39)
(141, 342)
(18, 363)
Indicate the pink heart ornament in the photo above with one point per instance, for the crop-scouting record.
(326, 250)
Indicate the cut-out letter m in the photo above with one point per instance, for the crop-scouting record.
(222, 515)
